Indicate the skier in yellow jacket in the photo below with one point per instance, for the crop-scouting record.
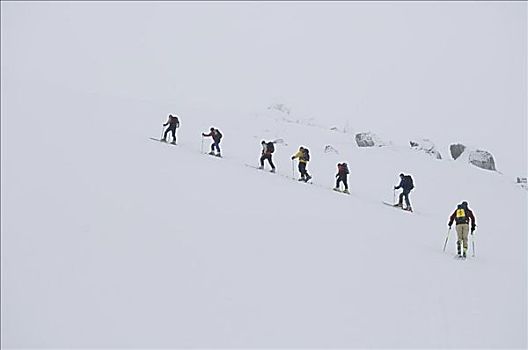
(304, 157)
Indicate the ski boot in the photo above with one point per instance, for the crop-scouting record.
(260, 167)
(408, 209)
(308, 177)
(272, 170)
(211, 153)
(218, 155)
(173, 142)
(346, 191)
(337, 189)
(398, 205)
(301, 179)
(163, 140)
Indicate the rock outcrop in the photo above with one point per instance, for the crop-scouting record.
(426, 146)
(482, 159)
(368, 139)
(456, 150)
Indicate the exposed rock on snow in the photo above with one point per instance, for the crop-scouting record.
(482, 159)
(330, 149)
(280, 107)
(427, 146)
(477, 157)
(522, 182)
(368, 139)
(456, 150)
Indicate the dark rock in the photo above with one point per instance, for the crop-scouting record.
(456, 150)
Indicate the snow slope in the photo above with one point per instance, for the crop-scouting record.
(112, 240)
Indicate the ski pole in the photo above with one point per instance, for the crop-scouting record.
(447, 237)
(473, 243)
(293, 167)
(393, 195)
(201, 147)
(162, 128)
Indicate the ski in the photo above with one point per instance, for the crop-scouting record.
(168, 143)
(213, 155)
(338, 190)
(396, 207)
(259, 168)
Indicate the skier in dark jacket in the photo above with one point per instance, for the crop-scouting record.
(462, 216)
(173, 123)
(267, 150)
(406, 183)
(342, 174)
(217, 136)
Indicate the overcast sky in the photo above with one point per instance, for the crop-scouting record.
(448, 71)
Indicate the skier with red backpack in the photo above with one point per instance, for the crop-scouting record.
(462, 216)
(342, 174)
(267, 150)
(304, 157)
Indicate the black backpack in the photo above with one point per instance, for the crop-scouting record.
(270, 147)
(461, 215)
(410, 184)
(218, 134)
(306, 154)
(344, 166)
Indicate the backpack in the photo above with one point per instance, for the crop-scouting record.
(410, 183)
(306, 155)
(218, 134)
(343, 168)
(270, 147)
(461, 216)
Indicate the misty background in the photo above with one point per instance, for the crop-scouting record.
(109, 239)
(451, 72)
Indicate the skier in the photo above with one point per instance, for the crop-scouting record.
(267, 150)
(342, 173)
(406, 183)
(173, 123)
(462, 215)
(217, 136)
(304, 157)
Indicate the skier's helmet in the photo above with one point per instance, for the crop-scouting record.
(212, 129)
(464, 204)
(263, 142)
(402, 175)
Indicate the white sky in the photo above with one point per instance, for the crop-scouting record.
(452, 72)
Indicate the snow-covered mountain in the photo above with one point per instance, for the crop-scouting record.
(112, 240)
(119, 241)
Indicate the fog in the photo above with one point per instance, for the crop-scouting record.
(452, 72)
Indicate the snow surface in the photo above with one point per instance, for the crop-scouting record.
(112, 240)
(119, 241)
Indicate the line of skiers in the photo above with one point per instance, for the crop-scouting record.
(463, 216)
